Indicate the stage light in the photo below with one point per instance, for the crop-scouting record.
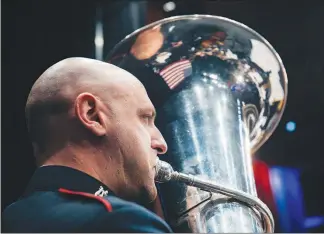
(291, 126)
(169, 6)
(99, 41)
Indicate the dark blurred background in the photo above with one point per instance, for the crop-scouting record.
(289, 167)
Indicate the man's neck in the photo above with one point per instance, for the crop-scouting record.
(89, 161)
(107, 170)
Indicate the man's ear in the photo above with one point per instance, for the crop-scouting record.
(88, 112)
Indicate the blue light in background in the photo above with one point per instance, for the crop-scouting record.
(290, 204)
(291, 126)
(288, 197)
(313, 222)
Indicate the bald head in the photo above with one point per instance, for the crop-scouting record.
(52, 97)
(68, 76)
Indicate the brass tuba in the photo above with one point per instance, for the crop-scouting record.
(220, 90)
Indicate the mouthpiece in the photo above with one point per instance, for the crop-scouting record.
(164, 171)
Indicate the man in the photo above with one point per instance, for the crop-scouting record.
(92, 129)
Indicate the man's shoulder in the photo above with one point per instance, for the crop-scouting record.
(131, 217)
(114, 214)
(82, 212)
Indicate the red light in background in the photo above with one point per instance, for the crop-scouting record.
(263, 186)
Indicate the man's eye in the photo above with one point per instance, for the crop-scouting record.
(147, 118)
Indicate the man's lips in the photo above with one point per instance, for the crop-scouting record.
(155, 166)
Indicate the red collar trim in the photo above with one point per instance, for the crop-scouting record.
(88, 195)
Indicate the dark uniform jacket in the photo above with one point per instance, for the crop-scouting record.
(62, 199)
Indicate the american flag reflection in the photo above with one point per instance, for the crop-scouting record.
(174, 73)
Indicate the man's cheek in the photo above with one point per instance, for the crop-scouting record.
(143, 131)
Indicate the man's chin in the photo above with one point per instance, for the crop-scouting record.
(151, 193)
(147, 195)
(150, 199)
(154, 194)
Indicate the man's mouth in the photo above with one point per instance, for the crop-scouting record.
(155, 169)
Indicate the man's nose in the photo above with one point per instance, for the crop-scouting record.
(159, 144)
